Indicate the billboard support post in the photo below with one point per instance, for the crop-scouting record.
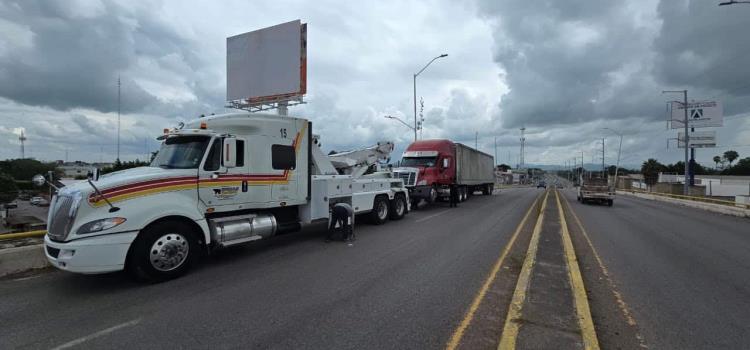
(685, 188)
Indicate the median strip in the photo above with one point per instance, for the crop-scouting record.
(585, 321)
(512, 325)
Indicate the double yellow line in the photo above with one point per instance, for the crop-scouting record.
(511, 327)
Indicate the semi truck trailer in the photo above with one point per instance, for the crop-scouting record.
(429, 167)
(216, 181)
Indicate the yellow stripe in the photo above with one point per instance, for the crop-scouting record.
(588, 333)
(146, 192)
(618, 297)
(510, 330)
(459, 332)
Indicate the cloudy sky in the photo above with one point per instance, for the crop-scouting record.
(563, 69)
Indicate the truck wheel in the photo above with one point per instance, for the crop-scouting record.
(163, 251)
(610, 202)
(487, 190)
(433, 195)
(398, 208)
(379, 213)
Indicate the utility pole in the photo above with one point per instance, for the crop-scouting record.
(685, 188)
(22, 139)
(476, 140)
(523, 142)
(495, 150)
(603, 166)
(118, 118)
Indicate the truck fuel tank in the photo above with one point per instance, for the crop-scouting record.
(231, 230)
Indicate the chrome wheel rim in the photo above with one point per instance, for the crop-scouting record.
(399, 207)
(169, 252)
(382, 210)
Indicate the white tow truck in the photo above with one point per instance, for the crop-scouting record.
(216, 181)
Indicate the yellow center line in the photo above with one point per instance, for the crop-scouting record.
(510, 330)
(618, 297)
(459, 332)
(588, 333)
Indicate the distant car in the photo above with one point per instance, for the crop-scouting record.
(11, 205)
(43, 203)
(36, 200)
(541, 184)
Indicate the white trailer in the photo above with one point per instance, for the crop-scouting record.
(216, 181)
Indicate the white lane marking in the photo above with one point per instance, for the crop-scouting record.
(98, 334)
(431, 216)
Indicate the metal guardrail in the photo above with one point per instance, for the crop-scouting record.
(692, 198)
(29, 234)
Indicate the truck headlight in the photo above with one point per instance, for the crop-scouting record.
(421, 182)
(99, 225)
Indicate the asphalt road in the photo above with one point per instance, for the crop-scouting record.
(403, 285)
(683, 273)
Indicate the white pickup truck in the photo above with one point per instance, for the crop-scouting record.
(216, 181)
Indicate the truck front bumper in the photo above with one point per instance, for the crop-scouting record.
(419, 192)
(99, 254)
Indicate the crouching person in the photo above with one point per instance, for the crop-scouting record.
(342, 223)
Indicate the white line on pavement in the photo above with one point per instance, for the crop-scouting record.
(431, 216)
(97, 334)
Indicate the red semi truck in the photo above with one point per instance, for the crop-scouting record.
(429, 167)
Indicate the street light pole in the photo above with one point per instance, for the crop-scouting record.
(415, 90)
(619, 150)
(400, 121)
(685, 188)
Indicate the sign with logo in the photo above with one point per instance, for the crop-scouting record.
(698, 139)
(700, 114)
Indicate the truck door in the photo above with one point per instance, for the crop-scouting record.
(230, 188)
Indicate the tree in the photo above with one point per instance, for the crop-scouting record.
(25, 169)
(741, 168)
(8, 188)
(650, 170)
(717, 160)
(730, 156)
(503, 167)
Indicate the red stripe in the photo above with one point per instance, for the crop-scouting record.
(142, 183)
(148, 187)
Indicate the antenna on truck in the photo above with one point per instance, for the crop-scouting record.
(267, 68)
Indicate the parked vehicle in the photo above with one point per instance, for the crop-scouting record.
(217, 181)
(11, 205)
(429, 167)
(541, 184)
(35, 200)
(595, 189)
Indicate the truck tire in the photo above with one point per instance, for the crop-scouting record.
(379, 213)
(398, 208)
(163, 251)
(433, 195)
(610, 202)
(487, 190)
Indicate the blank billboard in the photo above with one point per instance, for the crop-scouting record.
(267, 64)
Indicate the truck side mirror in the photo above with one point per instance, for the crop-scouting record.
(38, 180)
(229, 152)
(93, 175)
(446, 163)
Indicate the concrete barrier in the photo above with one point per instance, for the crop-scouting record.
(717, 208)
(20, 259)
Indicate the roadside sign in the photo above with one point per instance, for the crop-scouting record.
(698, 139)
(700, 114)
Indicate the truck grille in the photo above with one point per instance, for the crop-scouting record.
(62, 213)
(409, 178)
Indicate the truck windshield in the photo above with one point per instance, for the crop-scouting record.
(181, 152)
(419, 161)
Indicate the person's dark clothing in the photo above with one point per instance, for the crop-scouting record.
(342, 215)
(453, 196)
